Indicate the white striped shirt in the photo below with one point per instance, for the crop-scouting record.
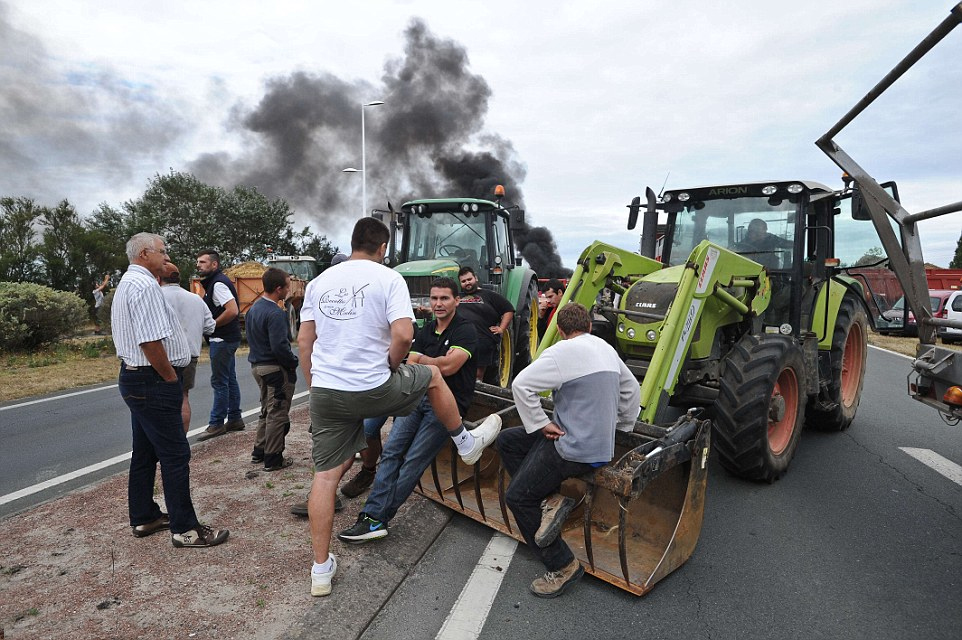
(139, 314)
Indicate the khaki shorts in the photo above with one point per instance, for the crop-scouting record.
(337, 417)
(190, 374)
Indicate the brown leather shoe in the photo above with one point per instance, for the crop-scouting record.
(235, 425)
(360, 483)
(554, 583)
(143, 530)
(212, 432)
(300, 508)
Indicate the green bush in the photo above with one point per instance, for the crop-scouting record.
(32, 315)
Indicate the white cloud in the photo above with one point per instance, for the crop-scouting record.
(598, 100)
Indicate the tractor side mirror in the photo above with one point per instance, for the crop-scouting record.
(859, 208)
(516, 219)
(633, 212)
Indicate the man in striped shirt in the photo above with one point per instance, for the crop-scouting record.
(153, 351)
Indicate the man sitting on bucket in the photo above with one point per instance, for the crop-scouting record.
(594, 393)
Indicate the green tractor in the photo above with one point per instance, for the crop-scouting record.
(739, 304)
(434, 238)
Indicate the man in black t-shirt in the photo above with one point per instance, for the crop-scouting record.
(448, 342)
(491, 314)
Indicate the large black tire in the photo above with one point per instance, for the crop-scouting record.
(293, 321)
(849, 350)
(760, 408)
(526, 320)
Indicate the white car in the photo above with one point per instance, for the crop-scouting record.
(953, 311)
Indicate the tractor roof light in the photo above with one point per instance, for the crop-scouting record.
(794, 188)
(465, 207)
(499, 191)
(683, 197)
(666, 197)
(474, 207)
(953, 397)
(769, 190)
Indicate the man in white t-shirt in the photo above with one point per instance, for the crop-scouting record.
(357, 325)
(197, 322)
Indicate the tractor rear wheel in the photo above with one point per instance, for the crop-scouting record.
(760, 408)
(849, 350)
(504, 372)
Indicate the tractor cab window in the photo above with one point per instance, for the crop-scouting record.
(761, 229)
(447, 235)
(856, 241)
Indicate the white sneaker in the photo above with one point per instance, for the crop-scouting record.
(321, 582)
(484, 434)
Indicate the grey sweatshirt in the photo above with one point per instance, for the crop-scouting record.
(593, 390)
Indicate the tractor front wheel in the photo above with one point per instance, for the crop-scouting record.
(293, 321)
(760, 408)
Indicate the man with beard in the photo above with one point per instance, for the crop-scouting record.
(490, 313)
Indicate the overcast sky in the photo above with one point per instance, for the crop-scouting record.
(586, 103)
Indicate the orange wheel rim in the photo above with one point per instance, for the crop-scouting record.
(852, 358)
(780, 431)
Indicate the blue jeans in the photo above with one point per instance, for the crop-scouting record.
(414, 441)
(158, 436)
(223, 380)
(536, 472)
(372, 426)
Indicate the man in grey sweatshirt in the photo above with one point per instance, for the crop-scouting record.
(594, 393)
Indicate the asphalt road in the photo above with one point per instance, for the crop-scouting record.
(858, 540)
(54, 436)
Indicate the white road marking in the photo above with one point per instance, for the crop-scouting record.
(469, 613)
(931, 459)
(66, 395)
(894, 353)
(93, 468)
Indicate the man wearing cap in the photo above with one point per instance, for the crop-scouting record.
(196, 321)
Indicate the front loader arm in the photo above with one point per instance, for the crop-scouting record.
(711, 271)
(600, 266)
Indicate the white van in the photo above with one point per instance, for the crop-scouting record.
(953, 311)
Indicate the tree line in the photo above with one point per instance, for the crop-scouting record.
(56, 247)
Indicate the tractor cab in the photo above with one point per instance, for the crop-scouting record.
(793, 229)
(464, 231)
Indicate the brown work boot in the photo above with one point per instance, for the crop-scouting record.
(212, 431)
(554, 510)
(554, 583)
(235, 425)
(360, 483)
(300, 508)
(148, 528)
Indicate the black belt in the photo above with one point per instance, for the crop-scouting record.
(146, 367)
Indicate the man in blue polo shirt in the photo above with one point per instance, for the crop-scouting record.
(448, 342)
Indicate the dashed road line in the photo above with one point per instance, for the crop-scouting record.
(931, 459)
(470, 611)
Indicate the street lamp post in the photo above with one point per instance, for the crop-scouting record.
(363, 169)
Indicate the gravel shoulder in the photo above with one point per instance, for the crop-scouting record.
(72, 569)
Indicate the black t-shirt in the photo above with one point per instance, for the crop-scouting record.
(460, 333)
(484, 309)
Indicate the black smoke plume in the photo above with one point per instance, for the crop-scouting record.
(427, 141)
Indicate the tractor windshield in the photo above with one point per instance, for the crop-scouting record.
(762, 229)
(454, 235)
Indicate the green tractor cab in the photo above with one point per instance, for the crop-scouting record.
(436, 237)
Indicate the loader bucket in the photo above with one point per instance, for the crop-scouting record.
(638, 518)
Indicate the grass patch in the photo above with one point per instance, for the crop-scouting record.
(72, 363)
(898, 344)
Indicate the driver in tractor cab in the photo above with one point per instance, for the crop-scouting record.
(762, 246)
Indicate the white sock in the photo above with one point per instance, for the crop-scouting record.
(464, 441)
(324, 567)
